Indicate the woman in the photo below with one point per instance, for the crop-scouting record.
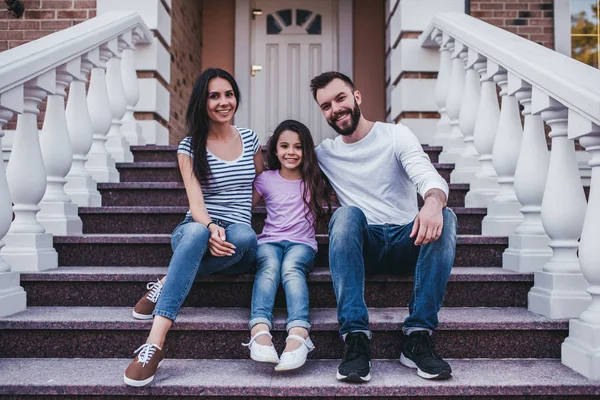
(218, 163)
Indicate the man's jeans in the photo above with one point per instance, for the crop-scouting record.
(356, 248)
(289, 263)
(192, 258)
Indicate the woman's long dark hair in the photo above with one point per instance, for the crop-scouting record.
(197, 122)
(316, 185)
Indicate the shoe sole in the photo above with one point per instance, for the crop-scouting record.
(265, 359)
(134, 383)
(410, 364)
(353, 377)
(142, 316)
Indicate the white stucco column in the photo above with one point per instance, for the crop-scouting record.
(484, 185)
(12, 295)
(559, 290)
(100, 164)
(58, 214)
(503, 211)
(28, 246)
(442, 86)
(453, 145)
(581, 350)
(468, 164)
(80, 186)
(528, 249)
(130, 127)
(116, 144)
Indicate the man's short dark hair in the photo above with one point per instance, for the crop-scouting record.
(320, 81)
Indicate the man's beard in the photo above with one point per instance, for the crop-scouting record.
(355, 118)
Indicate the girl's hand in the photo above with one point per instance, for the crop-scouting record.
(217, 244)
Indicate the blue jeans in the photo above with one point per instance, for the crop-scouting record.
(192, 258)
(289, 263)
(356, 248)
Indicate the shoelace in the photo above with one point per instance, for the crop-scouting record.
(146, 351)
(155, 290)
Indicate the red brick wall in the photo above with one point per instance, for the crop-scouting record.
(531, 19)
(186, 61)
(41, 18)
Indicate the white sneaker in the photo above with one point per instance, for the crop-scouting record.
(295, 359)
(261, 352)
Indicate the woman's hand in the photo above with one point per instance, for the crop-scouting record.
(217, 244)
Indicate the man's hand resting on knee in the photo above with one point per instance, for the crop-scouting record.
(428, 224)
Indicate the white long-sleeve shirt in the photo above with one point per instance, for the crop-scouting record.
(381, 173)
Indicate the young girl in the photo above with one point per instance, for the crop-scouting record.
(294, 191)
(218, 163)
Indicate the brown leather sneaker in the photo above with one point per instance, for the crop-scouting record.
(142, 369)
(144, 308)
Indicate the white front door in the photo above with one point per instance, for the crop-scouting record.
(293, 41)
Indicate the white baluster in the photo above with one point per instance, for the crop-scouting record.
(28, 246)
(503, 211)
(80, 186)
(100, 164)
(442, 86)
(528, 249)
(559, 289)
(12, 295)
(484, 186)
(468, 164)
(58, 214)
(581, 350)
(116, 144)
(454, 144)
(130, 127)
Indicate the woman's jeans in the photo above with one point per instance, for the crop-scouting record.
(356, 248)
(289, 263)
(192, 258)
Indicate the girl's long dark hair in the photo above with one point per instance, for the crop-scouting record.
(197, 122)
(316, 185)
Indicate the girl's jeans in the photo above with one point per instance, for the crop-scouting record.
(289, 263)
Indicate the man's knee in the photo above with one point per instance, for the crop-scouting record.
(347, 220)
(450, 222)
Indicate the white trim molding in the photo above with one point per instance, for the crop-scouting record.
(562, 27)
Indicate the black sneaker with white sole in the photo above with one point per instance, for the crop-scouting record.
(356, 361)
(418, 353)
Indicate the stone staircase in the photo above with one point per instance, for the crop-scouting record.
(77, 335)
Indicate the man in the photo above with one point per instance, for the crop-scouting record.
(376, 170)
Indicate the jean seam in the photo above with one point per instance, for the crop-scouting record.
(191, 278)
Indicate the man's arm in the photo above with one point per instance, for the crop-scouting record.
(428, 224)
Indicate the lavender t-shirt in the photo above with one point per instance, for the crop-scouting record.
(285, 210)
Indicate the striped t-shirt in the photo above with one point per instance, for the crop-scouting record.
(228, 195)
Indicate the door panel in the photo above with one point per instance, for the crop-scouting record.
(293, 41)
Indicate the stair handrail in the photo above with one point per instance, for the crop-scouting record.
(561, 77)
(33, 59)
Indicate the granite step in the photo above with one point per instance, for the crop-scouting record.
(169, 153)
(497, 379)
(124, 286)
(154, 250)
(173, 194)
(217, 333)
(169, 171)
(156, 219)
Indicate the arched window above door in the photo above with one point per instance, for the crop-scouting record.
(305, 19)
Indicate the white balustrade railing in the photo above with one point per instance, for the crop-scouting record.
(48, 172)
(537, 198)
